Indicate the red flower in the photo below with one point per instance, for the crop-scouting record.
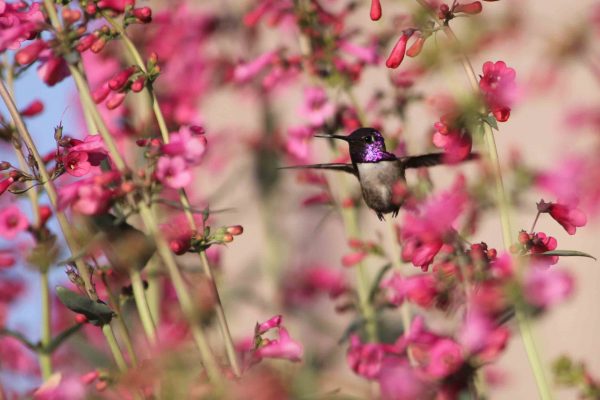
(570, 218)
(397, 55)
(499, 89)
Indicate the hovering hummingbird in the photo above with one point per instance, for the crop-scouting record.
(377, 170)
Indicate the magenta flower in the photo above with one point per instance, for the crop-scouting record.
(445, 358)
(263, 327)
(7, 259)
(76, 163)
(245, 72)
(173, 172)
(12, 222)
(18, 22)
(568, 217)
(284, 347)
(480, 336)
(365, 358)
(53, 69)
(455, 141)
(418, 289)
(316, 108)
(545, 287)
(189, 142)
(59, 387)
(541, 243)
(90, 196)
(397, 54)
(297, 142)
(399, 381)
(499, 88)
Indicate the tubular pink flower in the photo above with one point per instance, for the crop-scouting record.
(274, 322)
(12, 222)
(546, 287)
(173, 172)
(397, 54)
(29, 54)
(284, 347)
(375, 13)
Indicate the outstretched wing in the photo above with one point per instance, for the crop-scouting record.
(430, 160)
(333, 167)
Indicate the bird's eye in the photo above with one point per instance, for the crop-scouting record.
(369, 139)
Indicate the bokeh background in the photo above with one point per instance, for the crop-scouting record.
(280, 234)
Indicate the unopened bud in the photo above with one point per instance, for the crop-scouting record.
(523, 237)
(492, 254)
(115, 100)
(415, 49)
(29, 54)
(138, 85)
(91, 8)
(120, 78)
(470, 8)
(81, 319)
(375, 13)
(127, 187)
(45, 212)
(143, 14)
(34, 108)
(98, 45)
(90, 377)
(227, 238)
(179, 246)
(85, 43)
(70, 16)
(235, 230)
(101, 93)
(353, 258)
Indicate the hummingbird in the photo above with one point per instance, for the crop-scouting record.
(377, 169)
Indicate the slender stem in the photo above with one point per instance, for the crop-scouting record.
(184, 297)
(504, 209)
(224, 327)
(45, 358)
(142, 305)
(48, 185)
(222, 320)
(114, 347)
(537, 216)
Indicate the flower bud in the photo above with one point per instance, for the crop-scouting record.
(100, 93)
(90, 377)
(143, 14)
(91, 9)
(29, 54)
(85, 43)
(70, 16)
(470, 8)
(98, 45)
(115, 100)
(81, 319)
(375, 10)
(415, 49)
(138, 85)
(179, 246)
(227, 238)
(45, 213)
(119, 80)
(235, 230)
(5, 184)
(523, 237)
(397, 55)
(353, 258)
(34, 108)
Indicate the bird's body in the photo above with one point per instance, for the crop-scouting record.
(377, 170)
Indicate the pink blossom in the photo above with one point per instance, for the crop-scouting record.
(12, 222)
(263, 327)
(456, 141)
(18, 22)
(53, 69)
(480, 336)
(76, 163)
(173, 172)
(15, 357)
(298, 141)
(316, 108)
(545, 287)
(61, 388)
(418, 289)
(189, 142)
(365, 358)
(397, 54)
(90, 196)
(499, 89)
(284, 347)
(244, 72)
(567, 216)
(423, 233)
(541, 243)
(445, 358)
(366, 54)
(398, 381)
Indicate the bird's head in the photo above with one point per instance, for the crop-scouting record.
(366, 145)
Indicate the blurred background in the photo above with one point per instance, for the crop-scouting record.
(551, 45)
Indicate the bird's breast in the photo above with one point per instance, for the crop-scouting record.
(377, 181)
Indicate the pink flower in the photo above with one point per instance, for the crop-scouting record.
(76, 163)
(189, 142)
(397, 54)
(423, 234)
(418, 289)
(499, 89)
(365, 358)
(398, 381)
(12, 222)
(455, 140)
(316, 108)
(90, 196)
(7, 259)
(366, 54)
(569, 217)
(297, 142)
(445, 357)
(541, 243)
(61, 388)
(244, 72)
(284, 347)
(53, 69)
(173, 172)
(480, 336)
(274, 322)
(5, 184)
(545, 287)
(16, 358)
(18, 22)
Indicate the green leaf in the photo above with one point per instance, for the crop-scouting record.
(377, 281)
(96, 312)
(491, 121)
(567, 253)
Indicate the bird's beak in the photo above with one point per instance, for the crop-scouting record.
(341, 137)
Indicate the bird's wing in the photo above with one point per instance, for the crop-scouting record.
(333, 167)
(430, 160)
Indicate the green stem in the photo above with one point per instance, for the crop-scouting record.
(222, 320)
(504, 209)
(45, 358)
(114, 347)
(184, 297)
(142, 305)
